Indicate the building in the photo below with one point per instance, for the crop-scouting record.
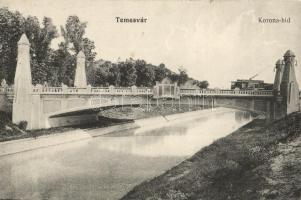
(249, 84)
(166, 89)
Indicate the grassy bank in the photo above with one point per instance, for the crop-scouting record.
(113, 116)
(8, 130)
(258, 161)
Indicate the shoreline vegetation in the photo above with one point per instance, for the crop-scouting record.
(261, 160)
(110, 117)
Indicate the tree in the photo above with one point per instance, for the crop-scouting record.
(74, 32)
(203, 84)
(128, 74)
(145, 73)
(101, 76)
(115, 75)
(74, 42)
(58, 66)
(174, 77)
(12, 27)
(88, 48)
(64, 64)
(47, 34)
(161, 72)
(40, 39)
(183, 76)
(102, 73)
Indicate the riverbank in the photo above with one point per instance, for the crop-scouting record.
(51, 137)
(110, 117)
(11, 132)
(258, 161)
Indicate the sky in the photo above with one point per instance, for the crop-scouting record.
(217, 40)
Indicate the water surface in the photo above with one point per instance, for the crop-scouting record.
(108, 167)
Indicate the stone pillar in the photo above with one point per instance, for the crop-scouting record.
(80, 73)
(278, 76)
(134, 89)
(289, 88)
(22, 84)
(111, 89)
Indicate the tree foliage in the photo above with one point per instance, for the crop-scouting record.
(161, 72)
(57, 66)
(201, 84)
(12, 27)
(74, 42)
(138, 72)
(128, 75)
(145, 73)
(40, 39)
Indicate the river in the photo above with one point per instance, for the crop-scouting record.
(107, 167)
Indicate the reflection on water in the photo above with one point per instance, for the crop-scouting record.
(108, 167)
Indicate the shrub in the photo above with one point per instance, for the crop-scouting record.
(22, 125)
(176, 195)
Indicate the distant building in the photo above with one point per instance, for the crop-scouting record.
(166, 89)
(249, 84)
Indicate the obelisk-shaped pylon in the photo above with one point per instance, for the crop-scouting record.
(80, 73)
(289, 88)
(278, 76)
(22, 83)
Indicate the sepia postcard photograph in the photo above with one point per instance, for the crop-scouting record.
(150, 100)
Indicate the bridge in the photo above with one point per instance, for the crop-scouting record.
(45, 107)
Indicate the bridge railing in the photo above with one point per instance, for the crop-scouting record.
(7, 90)
(77, 90)
(135, 91)
(100, 90)
(50, 90)
(91, 90)
(226, 92)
